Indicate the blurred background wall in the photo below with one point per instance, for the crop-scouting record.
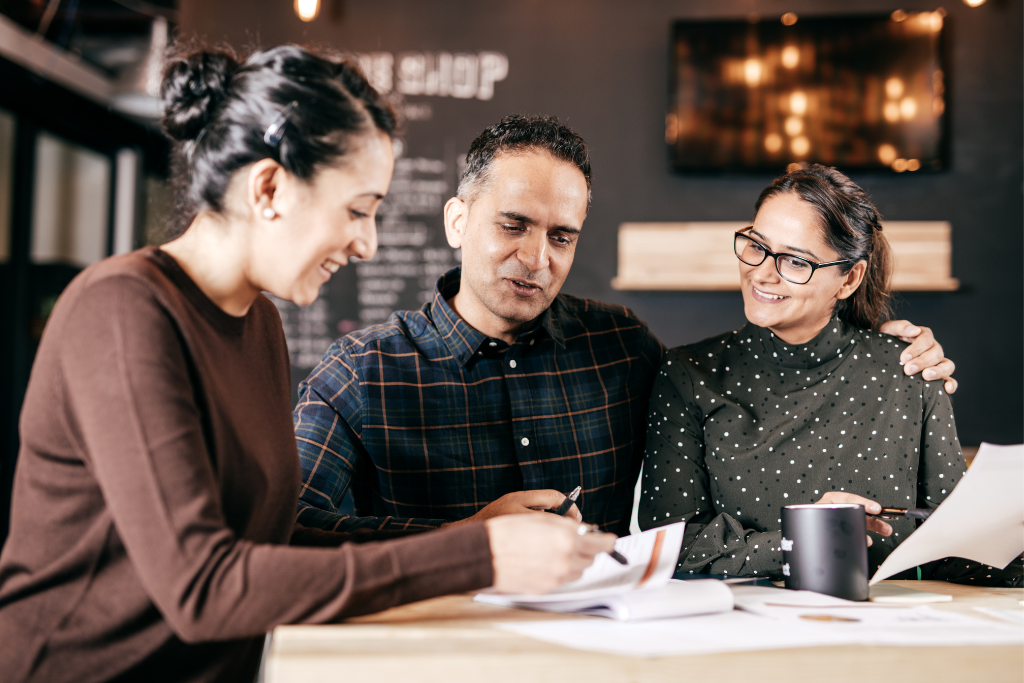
(603, 67)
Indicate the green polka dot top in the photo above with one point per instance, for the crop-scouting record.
(744, 423)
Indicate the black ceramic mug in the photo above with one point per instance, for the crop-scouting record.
(825, 549)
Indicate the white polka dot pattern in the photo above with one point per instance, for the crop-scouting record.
(743, 423)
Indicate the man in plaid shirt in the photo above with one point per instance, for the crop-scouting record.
(501, 393)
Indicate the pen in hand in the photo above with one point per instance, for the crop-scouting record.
(594, 529)
(567, 504)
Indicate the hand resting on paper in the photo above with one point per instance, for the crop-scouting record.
(537, 553)
(870, 507)
(521, 502)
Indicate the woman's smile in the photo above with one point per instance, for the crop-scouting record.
(767, 297)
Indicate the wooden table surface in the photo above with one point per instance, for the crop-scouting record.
(451, 639)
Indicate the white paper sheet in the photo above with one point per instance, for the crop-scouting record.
(982, 519)
(1013, 616)
(892, 594)
(898, 626)
(728, 632)
(675, 599)
(652, 557)
(754, 596)
(743, 630)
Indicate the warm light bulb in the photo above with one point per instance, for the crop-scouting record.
(794, 126)
(773, 142)
(307, 9)
(974, 3)
(894, 87)
(752, 71)
(908, 108)
(891, 112)
(788, 19)
(798, 103)
(801, 146)
(790, 56)
(887, 154)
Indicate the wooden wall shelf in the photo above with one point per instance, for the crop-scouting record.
(698, 256)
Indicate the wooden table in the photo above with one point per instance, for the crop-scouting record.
(451, 639)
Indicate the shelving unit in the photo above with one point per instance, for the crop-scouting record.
(698, 256)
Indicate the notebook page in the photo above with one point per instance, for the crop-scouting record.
(652, 557)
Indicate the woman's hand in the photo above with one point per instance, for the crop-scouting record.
(870, 507)
(537, 553)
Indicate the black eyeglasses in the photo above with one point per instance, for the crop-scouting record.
(791, 268)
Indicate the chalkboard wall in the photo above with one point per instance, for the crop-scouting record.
(602, 66)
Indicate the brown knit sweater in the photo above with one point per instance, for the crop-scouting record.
(156, 491)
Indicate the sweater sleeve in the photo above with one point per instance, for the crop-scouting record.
(941, 463)
(139, 431)
(675, 487)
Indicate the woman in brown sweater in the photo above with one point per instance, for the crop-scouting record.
(158, 477)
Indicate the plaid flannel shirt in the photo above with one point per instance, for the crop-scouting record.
(428, 420)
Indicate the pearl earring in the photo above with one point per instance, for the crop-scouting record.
(269, 213)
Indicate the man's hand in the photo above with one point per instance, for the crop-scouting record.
(520, 502)
(924, 353)
(870, 507)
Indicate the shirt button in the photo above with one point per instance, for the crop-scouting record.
(531, 341)
(493, 344)
(511, 363)
(525, 441)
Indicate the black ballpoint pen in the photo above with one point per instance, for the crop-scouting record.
(594, 529)
(569, 501)
(899, 513)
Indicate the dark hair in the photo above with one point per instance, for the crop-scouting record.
(852, 227)
(218, 108)
(517, 134)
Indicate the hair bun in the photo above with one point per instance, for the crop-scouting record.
(193, 86)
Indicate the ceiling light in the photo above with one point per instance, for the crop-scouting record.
(307, 9)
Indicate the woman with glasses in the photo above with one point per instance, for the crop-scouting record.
(152, 533)
(806, 403)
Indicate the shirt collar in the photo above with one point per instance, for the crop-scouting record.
(551, 324)
(830, 343)
(464, 340)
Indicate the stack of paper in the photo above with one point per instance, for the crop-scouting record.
(642, 589)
